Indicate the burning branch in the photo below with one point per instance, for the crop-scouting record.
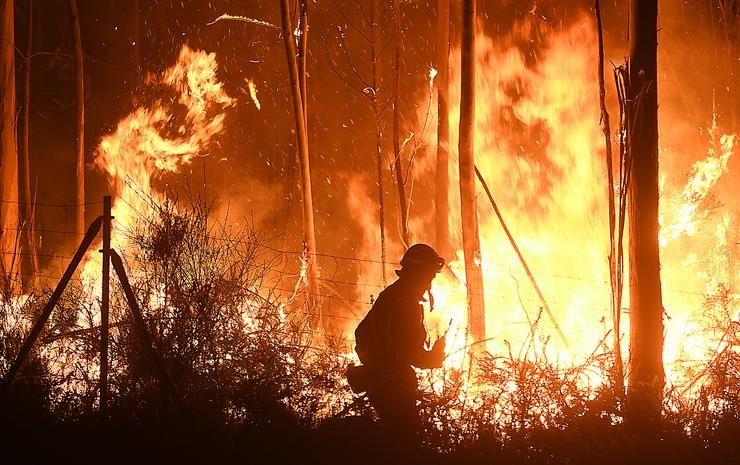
(243, 19)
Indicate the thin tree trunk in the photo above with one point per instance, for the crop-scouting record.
(8, 151)
(616, 293)
(27, 200)
(302, 138)
(378, 133)
(80, 146)
(442, 178)
(469, 210)
(403, 207)
(303, 56)
(646, 376)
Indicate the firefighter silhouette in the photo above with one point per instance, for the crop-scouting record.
(391, 340)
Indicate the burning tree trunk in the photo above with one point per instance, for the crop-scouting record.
(27, 202)
(378, 133)
(8, 150)
(469, 210)
(442, 178)
(80, 147)
(403, 207)
(646, 376)
(302, 139)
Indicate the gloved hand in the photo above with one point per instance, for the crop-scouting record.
(437, 354)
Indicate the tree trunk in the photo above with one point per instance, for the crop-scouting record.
(615, 255)
(8, 151)
(303, 56)
(646, 377)
(442, 178)
(27, 200)
(302, 139)
(80, 146)
(469, 210)
(378, 133)
(402, 204)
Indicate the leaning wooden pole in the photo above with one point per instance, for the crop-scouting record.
(533, 281)
(140, 326)
(646, 375)
(309, 232)
(38, 326)
(442, 176)
(80, 110)
(469, 209)
(105, 304)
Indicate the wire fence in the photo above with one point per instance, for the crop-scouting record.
(287, 257)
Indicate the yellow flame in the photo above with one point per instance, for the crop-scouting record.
(253, 93)
(152, 140)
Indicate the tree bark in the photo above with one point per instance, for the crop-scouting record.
(378, 133)
(469, 210)
(27, 201)
(80, 145)
(442, 177)
(646, 376)
(309, 233)
(8, 151)
(402, 203)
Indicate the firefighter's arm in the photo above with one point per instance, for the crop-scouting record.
(431, 358)
(420, 357)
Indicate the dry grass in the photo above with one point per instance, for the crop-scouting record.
(251, 376)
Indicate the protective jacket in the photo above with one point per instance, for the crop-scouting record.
(392, 336)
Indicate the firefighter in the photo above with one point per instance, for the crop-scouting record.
(391, 340)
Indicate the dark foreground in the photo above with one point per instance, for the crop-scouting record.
(354, 440)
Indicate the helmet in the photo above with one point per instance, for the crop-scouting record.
(422, 256)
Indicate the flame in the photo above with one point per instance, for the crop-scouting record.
(253, 93)
(158, 139)
(539, 146)
(432, 75)
(703, 176)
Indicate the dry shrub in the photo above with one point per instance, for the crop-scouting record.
(226, 340)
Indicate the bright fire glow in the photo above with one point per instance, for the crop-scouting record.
(152, 141)
(539, 146)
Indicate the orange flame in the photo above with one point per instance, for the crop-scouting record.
(152, 141)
